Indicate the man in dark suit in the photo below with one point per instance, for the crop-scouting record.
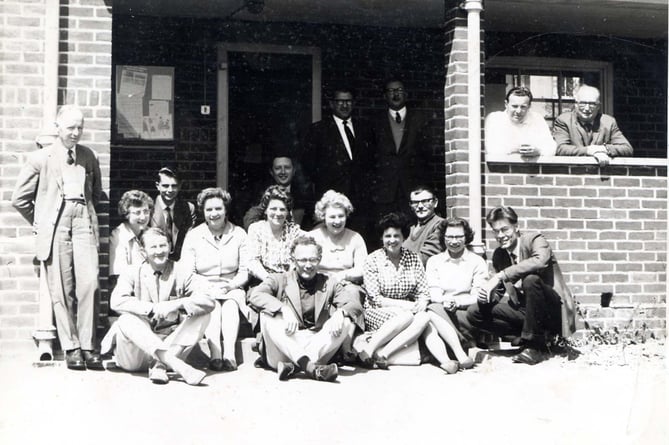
(305, 316)
(401, 151)
(529, 297)
(172, 215)
(56, 192)
(336, 154)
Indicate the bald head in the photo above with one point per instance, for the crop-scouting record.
(69, 125)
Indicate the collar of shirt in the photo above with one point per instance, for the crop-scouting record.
(402, 111)
(426, 220)
(160, 203)
(62, 150)
(340, 123)
(516, 251)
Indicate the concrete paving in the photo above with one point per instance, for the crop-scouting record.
(498, 402)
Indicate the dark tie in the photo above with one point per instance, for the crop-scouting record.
(157, 273)
(514, 258)
(70, 156)
(398, 118)
(168, 226)
(349, 136)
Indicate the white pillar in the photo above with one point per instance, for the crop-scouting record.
(474, 8)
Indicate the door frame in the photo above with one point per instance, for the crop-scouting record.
(222, 133)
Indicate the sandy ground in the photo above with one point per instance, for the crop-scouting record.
(498, 402)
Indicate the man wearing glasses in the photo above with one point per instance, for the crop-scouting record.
(424, 236)
(586, 131)
(305, 316)
(518, 129)
(527, 297)
(401, 151)
(56, 192)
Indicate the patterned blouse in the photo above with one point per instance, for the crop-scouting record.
(273, 254)
(382, 279)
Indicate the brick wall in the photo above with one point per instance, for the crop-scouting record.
(639, 78)
(84, 79)
(361, 57)
(608, 229)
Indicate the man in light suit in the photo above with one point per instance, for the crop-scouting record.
(401, 151)
(585, 131)
(56, 192)
(529, 297)
(305, 316)
(163, 315)
(171, 214)
(336, 155)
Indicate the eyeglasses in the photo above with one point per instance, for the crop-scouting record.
(421, 202)
(395, 90)
(587, 104)
(305, 261)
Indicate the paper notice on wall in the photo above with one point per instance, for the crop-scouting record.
(129, 116)
(161, 87)
(133, 81)
(157, 127)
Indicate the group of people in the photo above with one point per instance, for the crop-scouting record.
(583, 131)
(315, 296)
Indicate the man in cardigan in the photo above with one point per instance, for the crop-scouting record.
(171, 214)
(163, 315)
(585, 131)
(424, 236)
(528, 297)
(305, 316)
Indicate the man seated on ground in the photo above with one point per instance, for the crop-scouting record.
(162, 315)
(517, 129)
(424, 236)
(282, 172)
(527, 297)
(305, 316)
(586, 131)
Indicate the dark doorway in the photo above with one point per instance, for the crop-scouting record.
(270, 101)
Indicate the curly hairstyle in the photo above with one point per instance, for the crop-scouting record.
(276, 192)
(214, 192)
(396, 220)
(332, 198)
(455, 222)
(133, 198)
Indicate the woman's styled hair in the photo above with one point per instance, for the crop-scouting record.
(133, 198)
(455, 222)
(278, 193)
(332, 198)
(214, 192)
(396, 220)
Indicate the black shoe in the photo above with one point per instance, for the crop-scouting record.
(93, 360)
(74, 360)
(381, 362)
(517, 341)
(529, 356)
(216, 364)
(365, 360)
(285, 370)
(229, 365)
(325, 373)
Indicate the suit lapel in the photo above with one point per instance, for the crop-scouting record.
(292, 292)
(54, 163)
(320, 299)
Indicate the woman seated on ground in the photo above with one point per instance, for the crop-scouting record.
(455, 279)
(397, 298)
(125, 247)
(344, 251)
(271, 238)
(216, 253)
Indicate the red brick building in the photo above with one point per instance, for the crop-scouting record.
(268, 70)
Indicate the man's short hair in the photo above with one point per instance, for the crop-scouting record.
(340, 89)
(169, 173)
(306, 240)
(502, 212)
(133, 198)
(423, 188)
(521, 91)
(66, 109)
(214, 192)
(152, 231)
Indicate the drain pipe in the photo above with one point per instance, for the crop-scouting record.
(46, 332)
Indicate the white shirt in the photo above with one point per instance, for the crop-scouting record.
(456, 278)
(340, 126)
(503, 136)
(402, 112)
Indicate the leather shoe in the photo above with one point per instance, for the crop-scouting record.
(74, 360)
(325, 373)
(216, 364)
(158, 374)
(285, 370)
(365, 360)
(93, 360)
(529, 356)
(380, 361)
(229, 365)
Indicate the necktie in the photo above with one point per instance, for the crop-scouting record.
(168, 226)
(398, 118)
(157, 274)
(70, 157)
(514, 258)
(349, 136)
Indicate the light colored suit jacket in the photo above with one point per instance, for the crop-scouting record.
(38, 195)
(536, 257)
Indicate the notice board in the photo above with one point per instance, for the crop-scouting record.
(144, 103)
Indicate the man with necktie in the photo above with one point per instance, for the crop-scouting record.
(56, 192)
(171, 214)
(586, 131)
(530, 299)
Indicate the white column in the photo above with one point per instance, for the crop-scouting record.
(474, 8)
